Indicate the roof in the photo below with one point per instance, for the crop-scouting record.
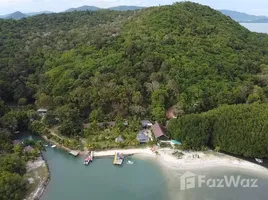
(142, 137)
(158, 131)
(170, 113)
(146, 121)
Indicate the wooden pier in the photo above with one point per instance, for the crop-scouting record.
(74, 153)
(91, 155)
(118, 159)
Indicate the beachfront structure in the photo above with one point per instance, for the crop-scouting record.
(146, 124)
(159, 132)
(74, 153)
(118, 159)
(42, 111)
(142, 137)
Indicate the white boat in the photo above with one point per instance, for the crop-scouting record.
(46, 145)
(130, 162)
(53, 146)
(87, 160)
(258, 160)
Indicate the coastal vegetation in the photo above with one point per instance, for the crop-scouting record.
(236, 129)
(14, 155)
(97, 67)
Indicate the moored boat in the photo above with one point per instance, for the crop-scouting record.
(258, 160)
(87, 160)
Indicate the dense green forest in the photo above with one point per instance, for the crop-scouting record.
(111, 65)
(236, 129)
(89, 67)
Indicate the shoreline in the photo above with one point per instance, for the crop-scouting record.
(208, 159)
(40, 189)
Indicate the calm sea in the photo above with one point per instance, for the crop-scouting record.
(256, 27)
(101, 180)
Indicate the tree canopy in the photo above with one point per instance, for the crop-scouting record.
(236, 129)
(136, 63)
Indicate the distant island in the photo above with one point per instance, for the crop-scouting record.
(19, 15)
(244, 17)
(237, 16)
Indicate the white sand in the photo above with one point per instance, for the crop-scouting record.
(32, 165)
(207, 159)
(145, 151)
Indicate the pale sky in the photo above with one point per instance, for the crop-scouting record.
(257, 7)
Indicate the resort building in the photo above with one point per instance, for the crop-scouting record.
(146, 124)
(159, 132)
(42, 111)
(142, 137)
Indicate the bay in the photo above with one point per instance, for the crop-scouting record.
(143, 180)
(71, 180)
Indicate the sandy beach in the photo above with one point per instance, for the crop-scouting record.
(189, 160)
(208, 159)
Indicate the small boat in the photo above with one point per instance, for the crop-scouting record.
(53, 146)
(130, 162)
(46, 145)
(87, 160)
(258, 160)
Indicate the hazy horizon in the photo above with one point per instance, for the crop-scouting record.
(256, 7)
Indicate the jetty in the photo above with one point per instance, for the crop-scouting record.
(118, 159)
(74, 153)
(91, 155)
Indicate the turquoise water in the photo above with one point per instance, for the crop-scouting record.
(225, 193)
(144, 180)
(71, 180)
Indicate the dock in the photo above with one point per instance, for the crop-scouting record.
(74, 153)
(118, 159)
(91, 155)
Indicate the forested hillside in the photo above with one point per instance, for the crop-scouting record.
(108, 64)
(236, 129)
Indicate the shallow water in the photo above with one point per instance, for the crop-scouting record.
(70, 179)
(144, 180)
(221, 190)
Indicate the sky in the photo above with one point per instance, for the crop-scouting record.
(256, 7)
